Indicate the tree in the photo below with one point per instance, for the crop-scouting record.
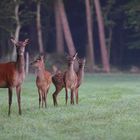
(18, 26)
(109, 23)
(90, 51)
(11, 22)
(39, 27)
(132, 23)
(104, 55)
(66, 29)
(6, 26)
(59, 31)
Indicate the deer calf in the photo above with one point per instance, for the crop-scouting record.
(70, 79)
(67, 80)
(80, 76)
(58, 80)
(43, 80)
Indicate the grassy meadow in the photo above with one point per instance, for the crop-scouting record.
(109, 109)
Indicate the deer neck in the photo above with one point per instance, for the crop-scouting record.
(71, 70)
(40, 72)
(20, 64)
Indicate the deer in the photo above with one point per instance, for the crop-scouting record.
(12, 74)
(58, 81)
(70, 79)
(67, 80)
(80, 76)
(43, 80)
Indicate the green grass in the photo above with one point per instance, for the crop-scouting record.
(109, 109)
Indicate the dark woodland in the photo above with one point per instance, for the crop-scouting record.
(106, 33)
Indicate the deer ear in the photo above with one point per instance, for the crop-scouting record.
(75, 55)
(42, 57)
(78, 59)
(84, 60)
(26, 41)
(13, 41)
(66, 55)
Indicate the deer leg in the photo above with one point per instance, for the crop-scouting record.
(58, 89)
(44, 99)
(39, 94)
(72, 96)
(10, 99)
(45, 96)
(42, 96)
(66, 95)
(18, 91)
(76, 94)
(54, 98)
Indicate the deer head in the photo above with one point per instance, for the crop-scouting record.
(20, 45)
(71, 59)
(39, 62)
(81, 62)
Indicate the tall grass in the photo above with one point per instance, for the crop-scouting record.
(109, 109)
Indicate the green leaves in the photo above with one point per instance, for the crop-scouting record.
(6, 13)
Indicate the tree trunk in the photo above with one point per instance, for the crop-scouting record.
(18, 27)
(39, 30)
(27, 63)
(104, 55)
(59, 32)
(109, 42)
(65, 25)
(90, 51)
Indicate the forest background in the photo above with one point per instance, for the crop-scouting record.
(106, 33)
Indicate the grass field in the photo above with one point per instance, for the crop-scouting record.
(109, 109)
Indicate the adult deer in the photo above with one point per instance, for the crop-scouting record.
(43, 80)
(12, 74)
